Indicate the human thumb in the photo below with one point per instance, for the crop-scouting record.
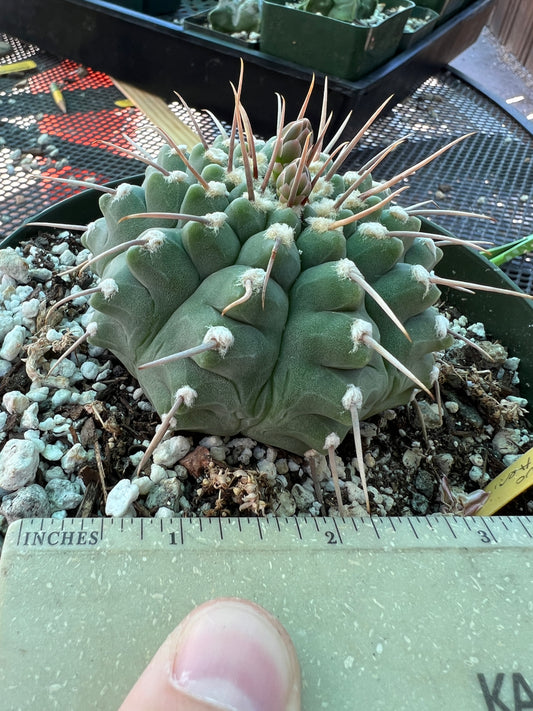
(226, 654)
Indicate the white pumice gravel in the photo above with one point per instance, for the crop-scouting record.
(52, 426)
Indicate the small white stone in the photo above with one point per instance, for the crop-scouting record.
(68, 259)
(157, 473)
(53, 335)
(38, 394)
(13, 343)
(475, 474)
(5, 367)
(164, 512)
(6, 324)
(170, 451)
(30, 419)
(89, 370)
(33, 436)
(267, 468)
(30, 309)
(15, 402)
(86, 397)
(451, 406)
(120, 498)
(63, 494)
(74, 458)
(53, 452)
(144, 484)
(19, 460)
(54, 473)
(66, 368)
(13, 265)
(61, 397)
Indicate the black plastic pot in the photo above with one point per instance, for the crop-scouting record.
(342, 49)
(506, 318)
(443, 8)
(199, 23)
(411, 37)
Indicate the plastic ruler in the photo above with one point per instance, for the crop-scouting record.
(425, 614)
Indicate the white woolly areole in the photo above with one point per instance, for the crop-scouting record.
(216, 219)
(441, 325)
(434, 375)
(322, 188)
(216, 189)
(235, 176)
(154, 240)
(222, 336)
(108, 287)
(264, 203)
(262, 159)
(358, 330)
(353, 397)
(350, 177)
(374, 230)
(91, 329)
(90, 228)
(256, 277)
(176, 176)
(187, 394)
(322, 224)
(324, 208)
(123, 191)
(332, 440)
(217, 155)
(282, 232)
(346, 269)
(353, 202)
(399, 213)
(421, 274)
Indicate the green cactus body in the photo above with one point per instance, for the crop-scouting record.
(296, 344)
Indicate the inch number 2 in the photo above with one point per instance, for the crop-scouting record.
(330, 537)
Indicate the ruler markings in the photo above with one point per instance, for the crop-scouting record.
(298, 529)
(525, 529)
(413, 528)
(451, 529)
(338, 532)
(375, 529)
(385, 580)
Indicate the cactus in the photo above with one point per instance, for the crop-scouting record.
(253, 288)
(232, 16)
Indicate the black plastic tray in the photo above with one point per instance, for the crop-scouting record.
(161, 56)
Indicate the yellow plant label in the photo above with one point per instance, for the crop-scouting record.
(17, 67)
(507, 485)
(124, 103)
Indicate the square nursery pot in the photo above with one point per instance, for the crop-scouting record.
(342, 49)
(420, 23)
(199, 23)
(443, 8)
(508, 319)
